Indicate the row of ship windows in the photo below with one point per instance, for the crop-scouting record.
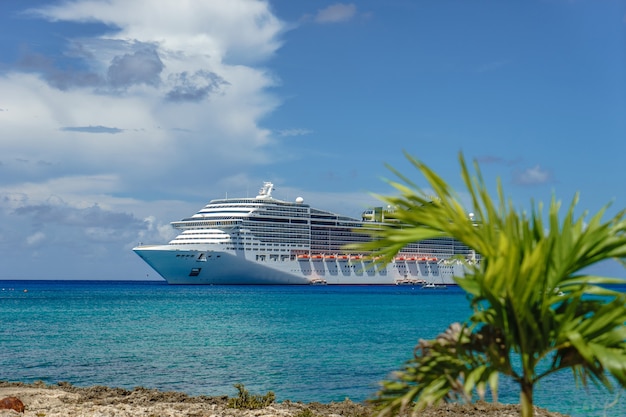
(280, 243)
(282, 247)
(288, 250)
(261, 246)
(428, 247)
(270, 223)
(299, 229)
(252, 203)
(437, 247)
(321, 244)
(289, 209)
(206, 224)
(247, 240)
(286, 229)
(315, 245)
(211, 223)
(257, 209)
(241, 235)
(314, 230)
(250, 226)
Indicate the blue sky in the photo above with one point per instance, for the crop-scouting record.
(119, 116)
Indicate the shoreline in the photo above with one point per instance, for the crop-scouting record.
(64, 399)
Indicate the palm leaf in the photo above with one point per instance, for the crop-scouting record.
(530, 293)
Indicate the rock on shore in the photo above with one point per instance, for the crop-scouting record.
(63, 400)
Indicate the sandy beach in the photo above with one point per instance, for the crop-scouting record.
(62, 400)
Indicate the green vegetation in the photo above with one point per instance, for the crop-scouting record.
(306, 412)
(247, 401)
(536, 307)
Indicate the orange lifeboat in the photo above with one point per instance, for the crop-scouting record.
(400, 258)
(433, 259)
(330, 257)
(317, 257)
(355, 257)
(304, 256)
(342, 257)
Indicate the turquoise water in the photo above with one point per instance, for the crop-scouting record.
(305, 343)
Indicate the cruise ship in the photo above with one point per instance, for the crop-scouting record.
(263, 240)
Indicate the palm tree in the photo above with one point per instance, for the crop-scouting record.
(536, 307)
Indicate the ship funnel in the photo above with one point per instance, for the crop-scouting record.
(266, 190)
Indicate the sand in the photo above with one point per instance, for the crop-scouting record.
(65, 400)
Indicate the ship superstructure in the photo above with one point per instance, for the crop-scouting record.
(263, 240)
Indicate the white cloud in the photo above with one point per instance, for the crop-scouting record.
(294, 132)
(35, 238)
(242, 30)
(95, 135)
(156, 232)
(174, 84)
(335, 13)
(532, 176)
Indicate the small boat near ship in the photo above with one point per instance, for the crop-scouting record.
(263, 240)
(433, 286)
(409, 281)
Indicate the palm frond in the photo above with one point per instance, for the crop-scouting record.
(531, 288)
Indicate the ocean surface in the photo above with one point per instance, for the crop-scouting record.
(304, 343)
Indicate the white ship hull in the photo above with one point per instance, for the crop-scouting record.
(206, 267)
